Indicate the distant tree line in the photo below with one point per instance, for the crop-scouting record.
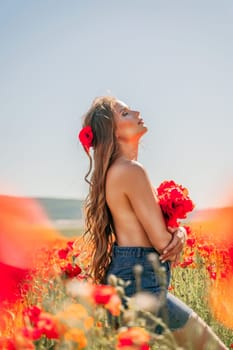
(62, 209)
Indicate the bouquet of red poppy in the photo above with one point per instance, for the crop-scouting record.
(174, 201)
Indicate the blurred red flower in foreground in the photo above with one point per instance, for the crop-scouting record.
(107, 296)
(7, 344)
(11, 278)
(136, 338)
(104, 295)
(41, 323)
(24, 228)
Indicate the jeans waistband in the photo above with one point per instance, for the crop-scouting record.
(132, 251)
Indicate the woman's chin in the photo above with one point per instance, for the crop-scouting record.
(144, 130)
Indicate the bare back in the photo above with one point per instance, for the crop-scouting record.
(127, 228)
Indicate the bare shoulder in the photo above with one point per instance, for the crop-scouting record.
(126, 172)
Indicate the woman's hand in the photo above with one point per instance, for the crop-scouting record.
(174, 249)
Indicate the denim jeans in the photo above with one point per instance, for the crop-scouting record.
(123, 261)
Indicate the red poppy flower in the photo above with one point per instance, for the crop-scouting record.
(7, 343)
(174, 202)
(187, 261)
(133, 338)
(102, 294)
(191, 242)
(86, 137)
(62, 253)
(33, 312)
(125, 342)
(71, 271)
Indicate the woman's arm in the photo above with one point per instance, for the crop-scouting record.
(178, 238)
(139, 190)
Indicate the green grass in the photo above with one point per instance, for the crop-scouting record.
(191, 286)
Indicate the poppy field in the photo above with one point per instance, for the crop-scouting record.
(59, 308)
(49, 301)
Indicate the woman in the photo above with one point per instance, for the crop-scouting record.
(123, 218)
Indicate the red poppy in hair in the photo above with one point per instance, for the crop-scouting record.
(86, 137)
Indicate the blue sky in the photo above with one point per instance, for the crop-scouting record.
(172, 60)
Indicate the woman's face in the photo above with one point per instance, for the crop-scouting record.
(129, 124)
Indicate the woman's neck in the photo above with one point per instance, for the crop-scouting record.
(129, 151)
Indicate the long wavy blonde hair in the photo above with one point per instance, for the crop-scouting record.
(99, 233)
